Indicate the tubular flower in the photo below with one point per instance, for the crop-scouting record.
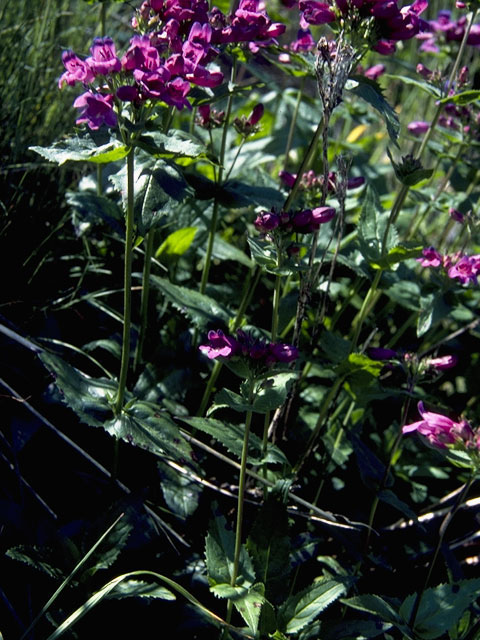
(439, 430)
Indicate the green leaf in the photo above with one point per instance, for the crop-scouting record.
(419, 82)
(90, 398)
(248, 602)
(270, 393)
(303, 607)
(88, 207)
(269, 546)
(180, 492)
(370, 603)
(371, 92)
(219, 555)
(231, 437)
(263, 253)
(396, 255)
(82, 150)
(432, 309)
(223, 250)
(463, 98)
(174, 144)
(372, 227)
(199, 308)
(441, 607)
(147, 426)
(140, 589)
(159, 188)
(177, 243)
(390, 498)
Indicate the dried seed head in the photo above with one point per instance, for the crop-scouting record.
(335, 60)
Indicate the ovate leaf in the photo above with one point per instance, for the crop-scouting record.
(177, 243)
(82, 150)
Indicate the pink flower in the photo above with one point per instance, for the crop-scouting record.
(374, 72)
(219, 345)
(418, 127)
(431, 258)
(444, 362)
(103, 59)
(439, 430)
(466, 269)
(77, 70)
(97, 109)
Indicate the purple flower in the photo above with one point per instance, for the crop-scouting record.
(466, 269)
(456, 215)
(439, 430)
(304, 41)
(77, 70)
(256, 115)
(152, 84)
(266, 221)
(141, 55)
(313, 12)
(443, 362)
(283, 352)
(320, 215)
(431, 258)
(374, 72)
(379, 353)
(219, 345)
(97, 109)
(418, 127)
(103, 59)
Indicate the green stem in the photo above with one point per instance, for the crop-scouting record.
(362, 314)
(241, 495)
(127, 293)
(214, 220)
(294, 121)
(147, 267)
(441, 534)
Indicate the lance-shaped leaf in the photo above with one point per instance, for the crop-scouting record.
(303, 607)
(88, 207)
(248, 602)
(372, 229)
(371, 92)
(377, 606)
(441, 607)
(202, 310)
(231, 437)
(147, 426)
(181, 493)
(177, 243)
(219, 555)
(90, 398)
(82, 150)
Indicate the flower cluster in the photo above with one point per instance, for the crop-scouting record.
(411, 362)
(457, 266)
(174, 49)
(310, 181)
(442, 432)
(385, 21)
(258, 352)
(444, 29)
(287, 222)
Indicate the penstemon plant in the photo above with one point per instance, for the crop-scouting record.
(294, 186)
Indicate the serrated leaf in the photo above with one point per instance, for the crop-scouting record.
(303, 607)
(219, 555)
(231, 436)
(92, 208)
(140, 589)
(371, 603)
(82, 150)
(177, 243)
(38, 558)
(263, 253)
(440, 607)
(248, 602)
(199, 308)
(371, 92)
(147, 426)
(269, 546)
(159, 187)
(180, 492)
(432, 309)
(269, 395)
(90, 398)
(174, 144)
(372, 227)
(396, 255)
